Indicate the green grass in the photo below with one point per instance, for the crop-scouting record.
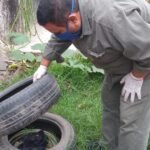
(79, 102)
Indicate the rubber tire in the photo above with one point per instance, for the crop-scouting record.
(24, 102)
(56, 124)
(5, 145)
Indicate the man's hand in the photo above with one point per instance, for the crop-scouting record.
(39, 73)
(132, 87)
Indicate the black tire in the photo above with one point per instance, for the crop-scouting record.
(57, 125)
(24, 102)
(5, 145)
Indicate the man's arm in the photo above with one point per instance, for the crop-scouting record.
(45, 62)
(140, 74)
(53, 51)
(132, 32)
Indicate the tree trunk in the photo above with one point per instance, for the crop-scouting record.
(9, 13)
(8, 10)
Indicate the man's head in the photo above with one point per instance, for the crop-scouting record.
(58, 16)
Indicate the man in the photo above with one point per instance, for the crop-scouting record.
(114, 35)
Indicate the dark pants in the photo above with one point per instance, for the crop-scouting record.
(125, 126)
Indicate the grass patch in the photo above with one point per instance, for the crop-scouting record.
(79, 102)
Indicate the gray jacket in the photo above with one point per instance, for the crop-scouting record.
(115, 35)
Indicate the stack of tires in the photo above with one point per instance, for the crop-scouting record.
(24, 103)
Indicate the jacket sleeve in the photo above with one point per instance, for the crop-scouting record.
(54, 48)
(133, 33)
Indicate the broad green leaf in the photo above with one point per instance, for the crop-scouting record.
(73, 62)
(38, 59)
(18, 38)
(29, 56)
(38, 46)
(17, 55)
(69, 53)
(97, 70)
(80, 62)
(80, 66)
(88, 69)
(65, 64)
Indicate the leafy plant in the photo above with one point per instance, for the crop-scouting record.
(79, 61)
(38, 46)
(80, 101)
(17, 55)
(21, 61)
(72, 60)
(17, 38)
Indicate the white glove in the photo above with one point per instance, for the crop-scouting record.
(132, 86)
(39, 73)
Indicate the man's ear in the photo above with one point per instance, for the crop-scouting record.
(73, 18)
(74, 21)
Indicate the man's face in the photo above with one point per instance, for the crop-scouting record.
(74, 24)
(54, 28)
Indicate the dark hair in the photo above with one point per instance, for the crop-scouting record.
(54, 11)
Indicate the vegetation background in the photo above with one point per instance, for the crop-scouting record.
(79, 80)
